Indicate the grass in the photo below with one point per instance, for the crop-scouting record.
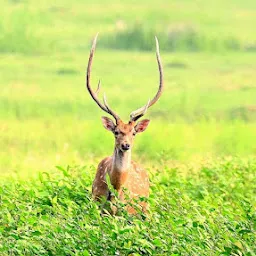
(181, 25)
(20, 34)
(48, 118)
(199, 148)
(208, 211)
(180, 37)
(79, 140)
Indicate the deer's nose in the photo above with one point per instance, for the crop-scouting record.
(125, 146)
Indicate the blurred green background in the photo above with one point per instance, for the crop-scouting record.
(208, 107)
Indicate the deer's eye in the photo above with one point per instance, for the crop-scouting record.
(116, 133)
(134, 134)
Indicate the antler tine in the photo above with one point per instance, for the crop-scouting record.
(108, 108)
(98, 88)
(93, 94)
(135, 115)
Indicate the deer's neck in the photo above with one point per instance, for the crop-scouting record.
(121, 160)
(120, 168)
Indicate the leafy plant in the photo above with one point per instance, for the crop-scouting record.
(211, 211)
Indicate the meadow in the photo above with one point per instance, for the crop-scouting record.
(199, 148)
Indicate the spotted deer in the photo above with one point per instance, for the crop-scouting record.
(124, 174)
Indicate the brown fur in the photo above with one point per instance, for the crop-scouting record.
(125, 175)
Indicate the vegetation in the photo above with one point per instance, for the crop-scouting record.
(199, 148)
(209, 210)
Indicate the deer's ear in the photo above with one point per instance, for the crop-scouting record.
(142, 125)
(108, 123)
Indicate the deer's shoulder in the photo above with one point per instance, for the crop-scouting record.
(105, 163)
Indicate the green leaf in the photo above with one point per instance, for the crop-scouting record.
(86, 253)
(65, 172)
(157, 242)
(36, 233)
(54, 200)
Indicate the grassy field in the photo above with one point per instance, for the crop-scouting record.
(48, 118)
(199, 148)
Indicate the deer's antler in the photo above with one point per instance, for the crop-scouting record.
(94, 95)
(135, 115)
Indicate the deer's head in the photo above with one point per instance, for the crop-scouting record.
(124, 133)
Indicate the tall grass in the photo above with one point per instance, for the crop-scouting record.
(39, 144)
(21, 32)
(47, 117)
(176, 38)
(27, 27)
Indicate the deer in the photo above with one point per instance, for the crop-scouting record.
(124, 174)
